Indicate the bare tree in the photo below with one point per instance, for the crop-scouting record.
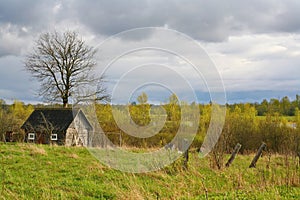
(63, 62)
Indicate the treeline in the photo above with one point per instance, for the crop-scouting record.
(280, 133)
(283, 106)
(275, 122)
(13, 116)
(242, 125)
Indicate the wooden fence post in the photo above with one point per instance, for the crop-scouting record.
(233, 155)
(185, 154)
(258, 154)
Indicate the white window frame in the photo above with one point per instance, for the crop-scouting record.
(31, 136)
(53, 137)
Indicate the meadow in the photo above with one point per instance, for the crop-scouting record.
(30, 171)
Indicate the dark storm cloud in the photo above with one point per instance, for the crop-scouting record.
(33, 13)
(21, 21)
(205, 20)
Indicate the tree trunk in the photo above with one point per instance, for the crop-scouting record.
(65, 102)
(258, 154)
(233, 155)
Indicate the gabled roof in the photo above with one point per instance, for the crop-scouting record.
(59, 119)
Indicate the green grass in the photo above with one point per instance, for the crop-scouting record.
(30, 171)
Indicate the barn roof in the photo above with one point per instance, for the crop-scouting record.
(59, 119)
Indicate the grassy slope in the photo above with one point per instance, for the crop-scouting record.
(45, 172)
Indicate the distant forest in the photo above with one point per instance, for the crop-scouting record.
(283, 106)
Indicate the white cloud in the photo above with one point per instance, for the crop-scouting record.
(258, 62)
(13, 39)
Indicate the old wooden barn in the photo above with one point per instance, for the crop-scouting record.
(58, 126)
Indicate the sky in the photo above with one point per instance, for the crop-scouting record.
(253, 47)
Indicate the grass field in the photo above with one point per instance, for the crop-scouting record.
(287, 118)
(30, 171)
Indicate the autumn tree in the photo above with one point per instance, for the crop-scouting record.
(285, 106)
(173, 108)
(3, 119)
(63, 62)
(7, 120)
(262, 108)
(140, 113)
(20, 111)
(143, 98)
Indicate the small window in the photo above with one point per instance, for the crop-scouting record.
(53, 136)
(31, 136)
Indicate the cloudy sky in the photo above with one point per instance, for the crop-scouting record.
(255, 45)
